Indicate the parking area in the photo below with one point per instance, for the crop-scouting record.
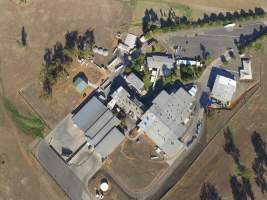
(196, 42)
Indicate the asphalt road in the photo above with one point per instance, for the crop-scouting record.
(60, 172)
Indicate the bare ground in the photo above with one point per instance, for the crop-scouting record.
(132, 165)
(46, 22)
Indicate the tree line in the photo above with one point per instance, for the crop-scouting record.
(58, 59)
(247, 40)
(171, 22)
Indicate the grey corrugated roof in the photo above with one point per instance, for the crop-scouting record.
(160, 62)
(89, 113)
(110, 142)
(114, 121)
(135, 81)
(98, 125)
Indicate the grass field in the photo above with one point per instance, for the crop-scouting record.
(31, 124)
(191, 9)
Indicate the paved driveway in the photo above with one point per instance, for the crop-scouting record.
(62, 174)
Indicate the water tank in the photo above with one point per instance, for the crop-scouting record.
(104, 185)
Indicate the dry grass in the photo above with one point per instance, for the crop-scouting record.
(141, 171)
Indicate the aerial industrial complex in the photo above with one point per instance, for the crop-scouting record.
(136, 104)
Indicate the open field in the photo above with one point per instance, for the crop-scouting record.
(46, 22)
(132, 165)
(214, 165)
(191, 9)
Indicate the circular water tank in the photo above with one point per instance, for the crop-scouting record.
(104, 185)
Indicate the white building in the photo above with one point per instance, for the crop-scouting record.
(223, 89)
(114, 63)
(162, 63)
(246, 71)
(188, 62)
(167, 120)
(129, 44)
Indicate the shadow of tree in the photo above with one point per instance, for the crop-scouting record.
(238, 190)
(230, 147)
(260, 162)
(247, 187)
(209, 192)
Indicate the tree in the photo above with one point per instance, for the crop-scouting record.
(71, 39)
(237, 189)
(247, 187)
(229, 146)
(209, 192)
(259, 147)
(23, 37)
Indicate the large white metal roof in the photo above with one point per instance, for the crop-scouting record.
(223, 89)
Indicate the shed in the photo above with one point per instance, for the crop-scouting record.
(80, 84)
(135, 82)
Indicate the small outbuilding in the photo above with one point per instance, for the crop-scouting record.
(162, 63)
(80, 82)
(246, 71)
(135, 82)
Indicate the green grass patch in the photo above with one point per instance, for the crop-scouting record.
(133, 2)
(30, 125)
(257, 45)
(244, 172)
(190, 73)
(183, 10)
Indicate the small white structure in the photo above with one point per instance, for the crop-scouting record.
(100, 51)
(223, 89)
(104, 186)
(193, 91)
(123, 47)
(114, 63)
(188, 62)
(130, 41)
(129, 44)
(246, 71)
(232, 25)
(143, 39)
